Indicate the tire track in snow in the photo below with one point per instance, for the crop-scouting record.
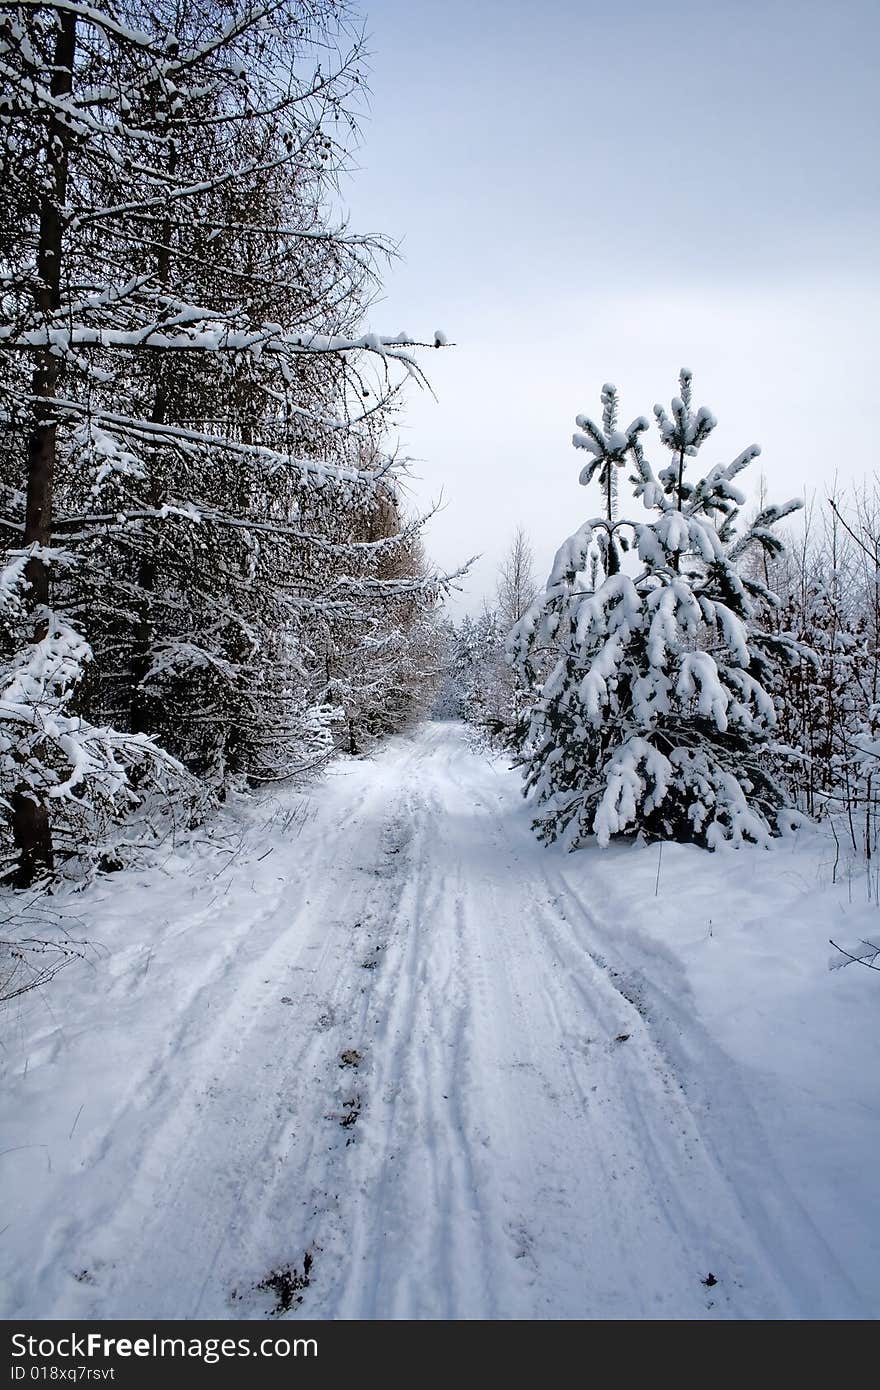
(505, 1189)
(201, 1171)
(763, 1229)
(648, 1128)
(419, 1239)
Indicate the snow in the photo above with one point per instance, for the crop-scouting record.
(474, 1076)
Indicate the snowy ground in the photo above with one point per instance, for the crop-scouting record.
(471, 1077)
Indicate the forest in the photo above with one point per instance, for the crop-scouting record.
(212, 577)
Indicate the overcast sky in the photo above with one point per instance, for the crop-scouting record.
(589, 193)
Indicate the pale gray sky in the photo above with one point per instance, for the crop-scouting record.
(590, 193)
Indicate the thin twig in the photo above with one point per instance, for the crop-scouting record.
(659, 863)
(859, 960)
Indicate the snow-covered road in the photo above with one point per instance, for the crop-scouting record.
(396, 1034)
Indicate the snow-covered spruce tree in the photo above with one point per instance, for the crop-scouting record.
(656, 715)
(180, 364)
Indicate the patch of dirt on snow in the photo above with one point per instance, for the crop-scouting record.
(372, 961)
(352, 1110)
(286, 1285)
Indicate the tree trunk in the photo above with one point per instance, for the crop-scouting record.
(141, 721)
(31, 830)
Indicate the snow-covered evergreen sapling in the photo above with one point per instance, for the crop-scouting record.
(88, 778)
(657, 714)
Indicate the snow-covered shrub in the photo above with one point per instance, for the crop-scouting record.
(851, 650)
(55, 766)
(828, 704)
(657, 714)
